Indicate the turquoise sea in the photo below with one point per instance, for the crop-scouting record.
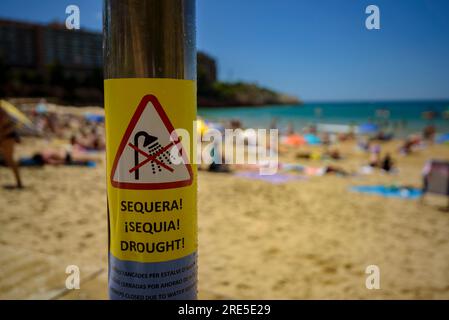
(402, 117)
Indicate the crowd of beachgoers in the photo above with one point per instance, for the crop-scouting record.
(310, 143)
(76, 136)
(70, 136)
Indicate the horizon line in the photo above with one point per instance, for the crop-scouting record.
(391, 100)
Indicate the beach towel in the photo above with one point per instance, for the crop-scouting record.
(389, 191)
(291, 167)
(442, 138)
(277, 178)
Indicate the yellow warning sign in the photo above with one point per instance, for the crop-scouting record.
(151, 195)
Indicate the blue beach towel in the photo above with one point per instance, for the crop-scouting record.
(389, 191)
(442, 138)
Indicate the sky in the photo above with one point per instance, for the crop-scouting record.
(318, 50)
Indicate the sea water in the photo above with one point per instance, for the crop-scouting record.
(401, 117)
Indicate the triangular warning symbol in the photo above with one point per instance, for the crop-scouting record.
(144, 159)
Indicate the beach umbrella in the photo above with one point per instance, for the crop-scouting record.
(312, 139)
(368, 128)
(21, 121)
(98, 118)
(295, 140)
(201, 127)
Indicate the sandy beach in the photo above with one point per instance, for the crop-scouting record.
(304, 239)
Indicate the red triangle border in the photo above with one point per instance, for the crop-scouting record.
(148, 186)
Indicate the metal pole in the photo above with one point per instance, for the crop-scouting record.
(150, 89)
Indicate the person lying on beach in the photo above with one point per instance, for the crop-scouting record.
(321, 171)
(382, 136)
(91, 142)
(58, 156)
(328, 154)
(345, 136)
(335, 170)
(8, 139)
(409, 145)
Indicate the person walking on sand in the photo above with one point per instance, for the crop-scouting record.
(8, 139)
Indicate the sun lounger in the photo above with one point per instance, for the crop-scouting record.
(436, 178)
